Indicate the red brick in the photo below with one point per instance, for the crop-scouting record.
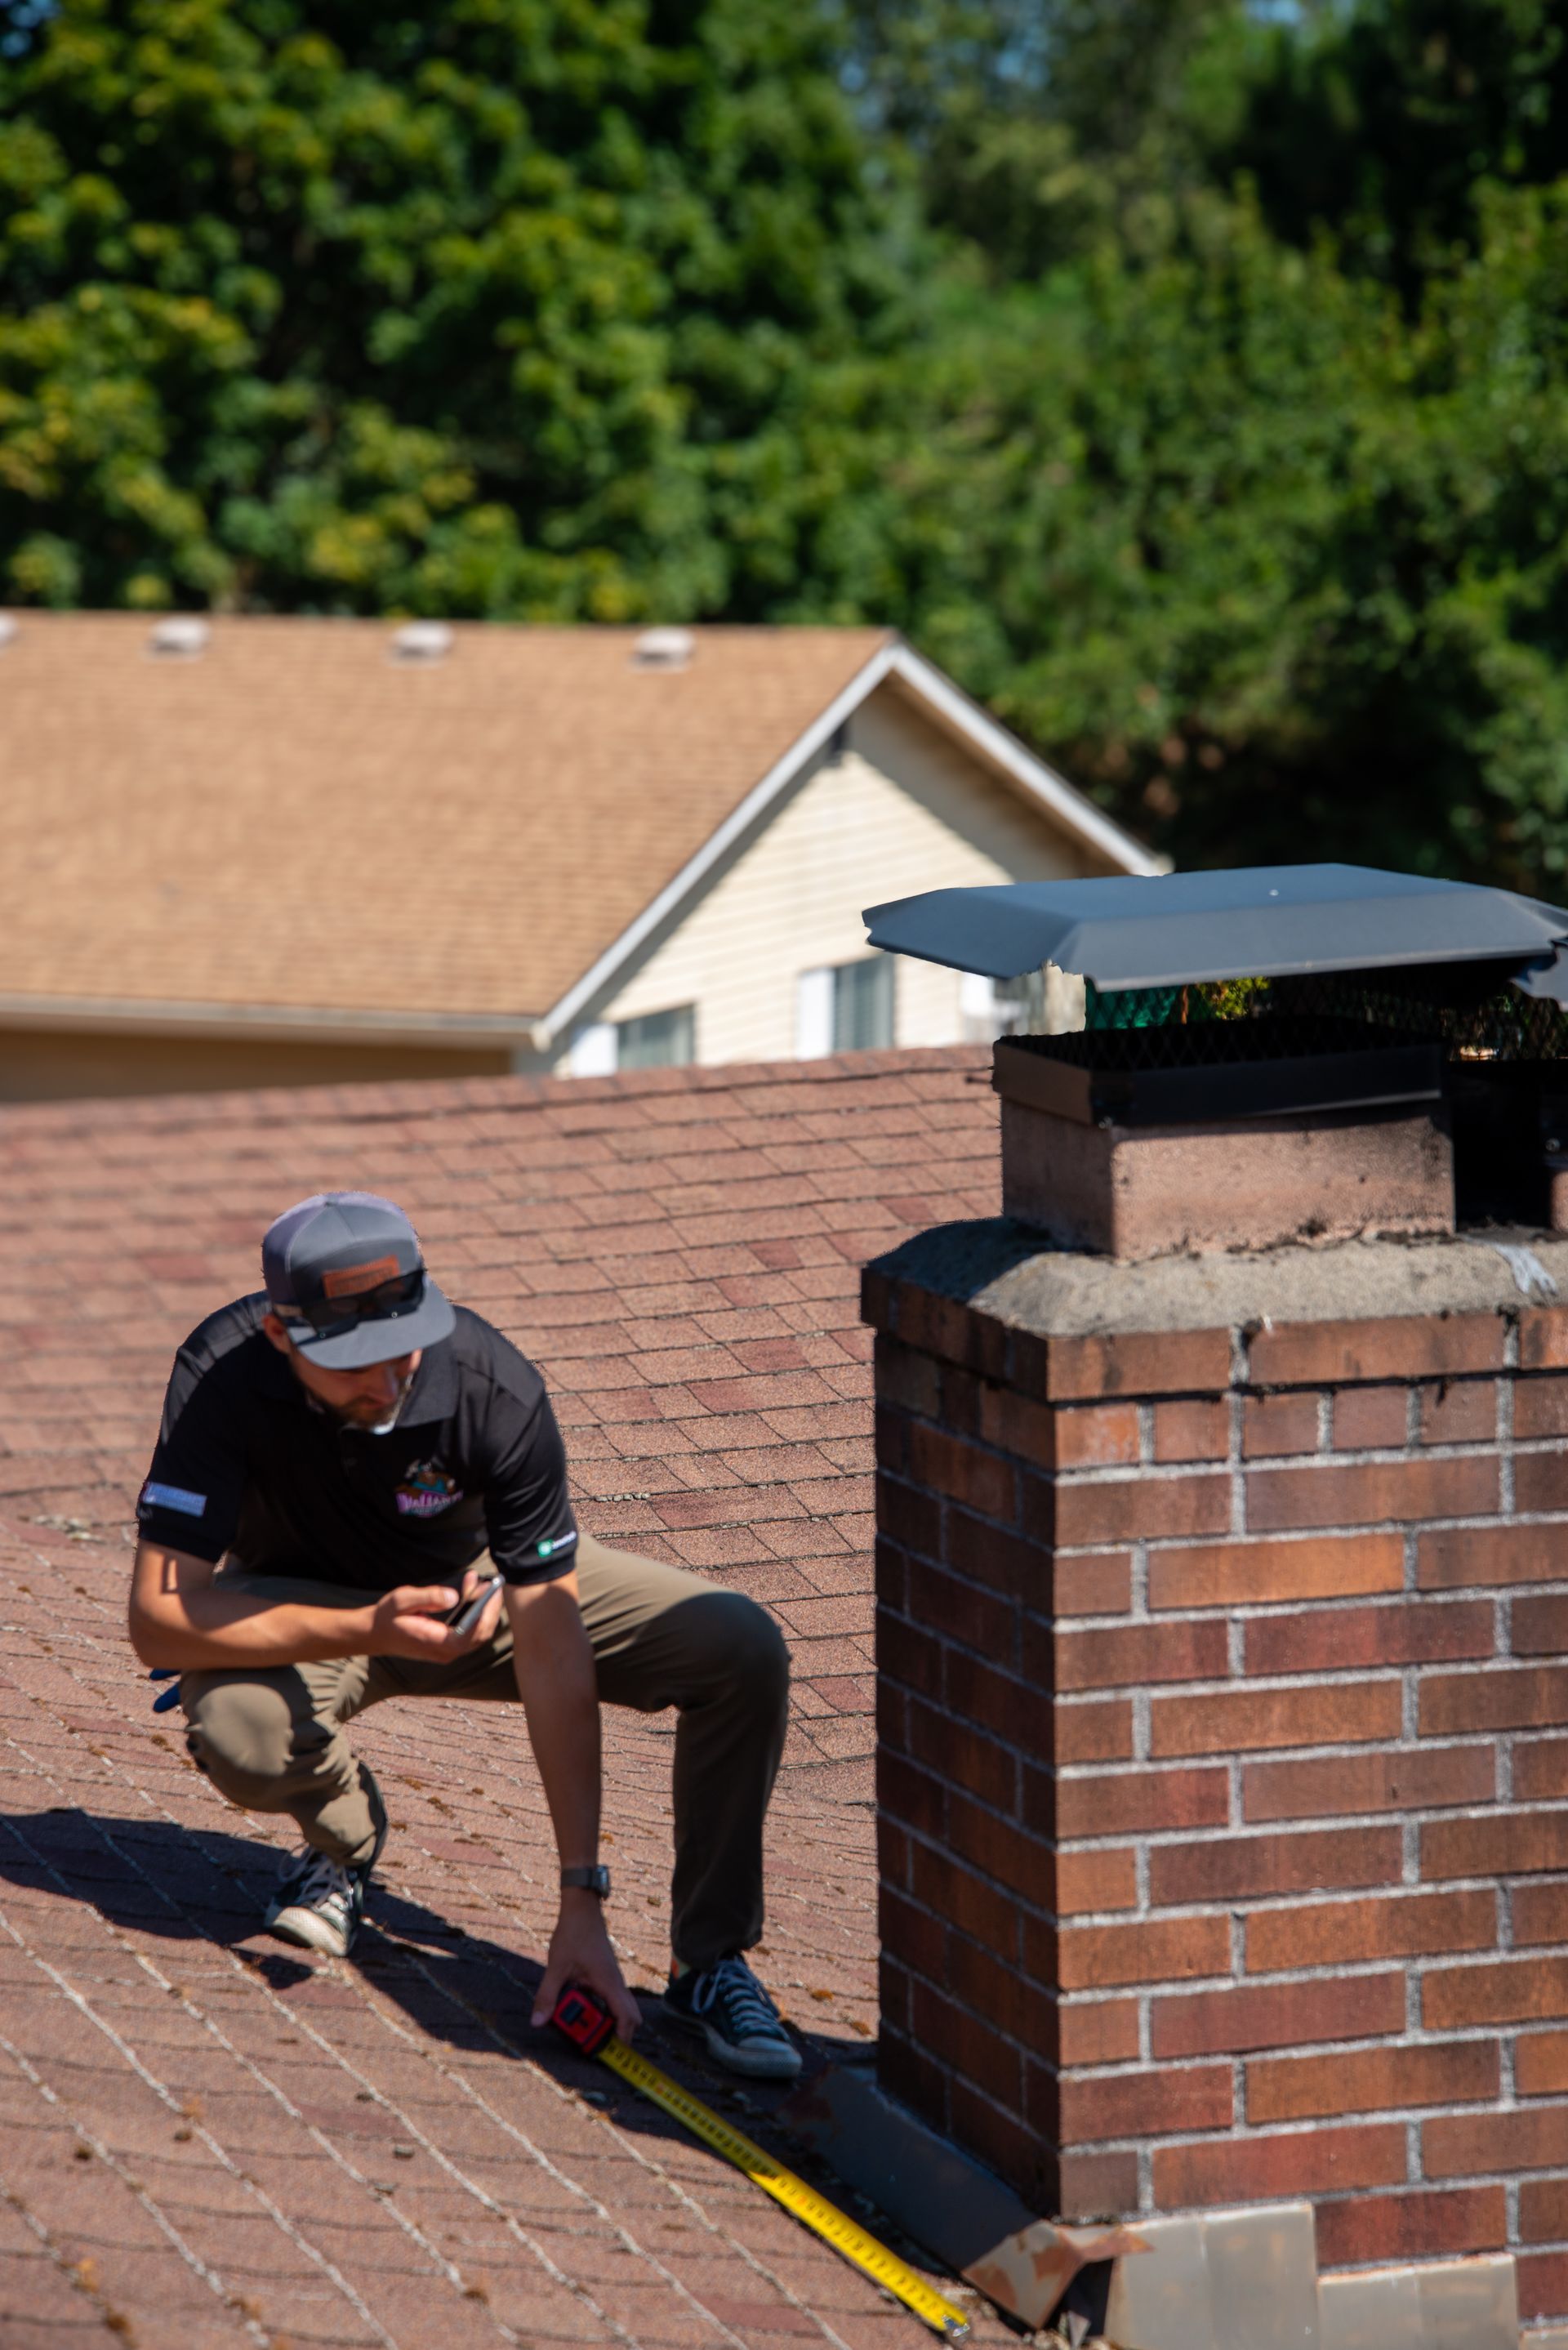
(1097, 1881)
(1534, 1697)
(1275, 1424)
(995, 1845)
(1233, 1868)
(948, 1464)
(964, 1756)
(1543, 2211)
(1538, 1625)
(1400, 1782)
(1094, 1733)
(1464, 1413)
(1414, 2226)
(1098, 1436)
(911, 1936)
(1374, 1494)
(1097, 1586)
(909, 1517)
(1008, 1564)
(1275, 2016)
(1371, 1420)
(1164, 1362)
(909, 1380)
(1091, 2184)
(907, 1654)
(1160, 1950)
(973, 2050)
(1225, 1574)
(1231, 1721)
(1371, 2080)
(1503, 1843)
(1192, 1429)
(1148, 2104)
(1507, 1991)
(1542, 2285)
(1456, 1558)
(961, 1611)
(987, 1987)
(1135, 1655)
(1302, 1354)
(912, 1796)
(1540, 1768)
(1265, 2169)
(1541, 2063)
(1540, 1407)
(1541, 1480)
(1540, 1914)
(1544, 1339)
(1340, 1638)
(1132, 1509)
(1015, 1424)
(1103, 2031)
(1340, 1933)
(957, 1894)
(1532, 2139)
(1130, 1802)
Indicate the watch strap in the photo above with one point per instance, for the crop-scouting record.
(595, 1880)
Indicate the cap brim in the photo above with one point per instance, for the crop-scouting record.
(383, 1340)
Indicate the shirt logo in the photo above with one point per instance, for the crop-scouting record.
(553, 1543)
(169, 1497)
(426, 1490)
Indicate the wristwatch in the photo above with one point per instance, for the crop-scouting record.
(587, 1880)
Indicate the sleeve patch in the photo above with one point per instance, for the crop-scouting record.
(171, 1497)
(555, 1544)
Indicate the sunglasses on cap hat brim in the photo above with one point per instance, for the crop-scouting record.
(333, 1317)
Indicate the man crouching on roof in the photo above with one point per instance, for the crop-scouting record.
(344, 1457)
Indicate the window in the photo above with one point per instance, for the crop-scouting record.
(845, 1007)
(658, 1040)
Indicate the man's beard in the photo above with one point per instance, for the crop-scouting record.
(353, 1416)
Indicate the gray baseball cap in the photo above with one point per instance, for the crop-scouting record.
(345, 1275)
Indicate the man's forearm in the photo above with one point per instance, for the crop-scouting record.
(214, 1630)
(557, 1682)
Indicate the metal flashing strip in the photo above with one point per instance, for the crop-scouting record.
(942, 2200)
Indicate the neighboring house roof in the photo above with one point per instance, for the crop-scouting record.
(679, 1250)
(293, 828)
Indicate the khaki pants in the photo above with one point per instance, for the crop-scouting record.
(274, 1741)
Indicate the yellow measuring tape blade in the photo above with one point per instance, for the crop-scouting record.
(803, 2201)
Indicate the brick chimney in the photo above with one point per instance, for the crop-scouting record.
(1222, 1592)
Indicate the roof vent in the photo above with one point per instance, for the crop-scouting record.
(665, 649)
(180, 637)
(8, 630)
(421, 641)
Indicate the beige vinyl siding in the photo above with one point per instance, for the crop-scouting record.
(904, 808)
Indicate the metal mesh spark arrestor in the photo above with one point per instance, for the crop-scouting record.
(1275, 1054)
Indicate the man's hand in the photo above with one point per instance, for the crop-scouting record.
(580, 1952)
(408, 1622)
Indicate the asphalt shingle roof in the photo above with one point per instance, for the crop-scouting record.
(211, 2142)
(551, 785)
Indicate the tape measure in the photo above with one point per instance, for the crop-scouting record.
(580, 2019)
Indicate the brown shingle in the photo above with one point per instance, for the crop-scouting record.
(293, 819)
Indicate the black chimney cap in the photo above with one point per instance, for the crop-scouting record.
(1260, 921)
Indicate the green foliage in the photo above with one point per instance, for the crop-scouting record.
(499, 307)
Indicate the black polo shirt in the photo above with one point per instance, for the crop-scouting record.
(247, 1462)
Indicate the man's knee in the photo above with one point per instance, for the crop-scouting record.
(748, 1644)
(240, 1732)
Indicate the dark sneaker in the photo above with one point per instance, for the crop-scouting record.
(321, 1903)
(729, 2006)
